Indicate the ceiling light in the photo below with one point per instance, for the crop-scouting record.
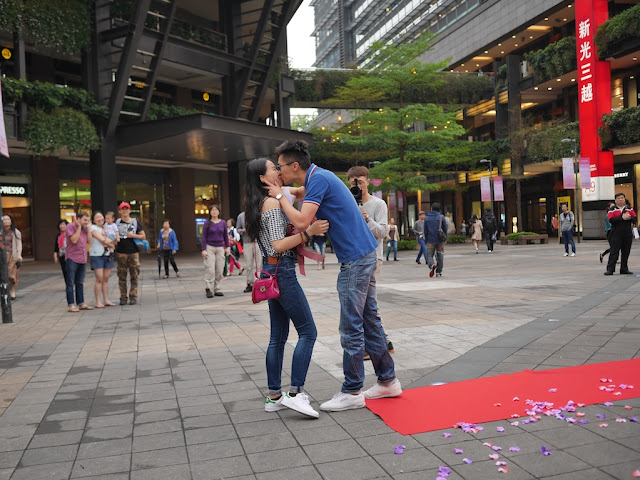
(535, 88)
(549, 88)
(635, 59)
(499, 44)
(631, 77)
(462, 64)
(486, 51)
(539, 28)
(564, 19)
(531, 36)
(477, 65)
(568, 6)
(546, 18)
(558, 80)
(502, 52)
(513, 36)
(573, 79)
(516, 45)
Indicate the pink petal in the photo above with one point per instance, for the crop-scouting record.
(603, 425)
(544, 451)
(580, 405)
(515, 415)
(636, 474)
(516, 399)
(399, 449)
(628, 407)
(617, 394)
(515, 424)
(608, 404)
(499, 429)
(446, 435)
(503, 470)
(496, 448)
(633, 419)
(494, 456)
(487, 444)
(497, 404)
(467, 460)
(553, 390)
(621, 420)
(580, 414)
(501, 464)
(603, 380)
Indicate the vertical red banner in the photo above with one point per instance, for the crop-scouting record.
(594, 94)
(498, 189)
(485, 189)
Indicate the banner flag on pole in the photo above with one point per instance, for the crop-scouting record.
(4, 146)
(485, 189)
(568, 174)
(498, 189)
(585, 172)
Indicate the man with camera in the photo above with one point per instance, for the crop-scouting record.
(327, 197)
(375, 213)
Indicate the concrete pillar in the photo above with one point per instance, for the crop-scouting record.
(46, 206)
(179, 206)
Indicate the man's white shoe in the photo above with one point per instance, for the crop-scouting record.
(299, 403)
(273, 405)
(382, 391)
(573, 254)
(343, 401)
(566, 254)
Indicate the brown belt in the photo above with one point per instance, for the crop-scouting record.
(272, 260)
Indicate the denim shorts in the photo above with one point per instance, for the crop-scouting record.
(101, 262)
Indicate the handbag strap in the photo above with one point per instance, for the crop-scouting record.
(264, 252)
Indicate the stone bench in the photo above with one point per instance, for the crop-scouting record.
(525, 239)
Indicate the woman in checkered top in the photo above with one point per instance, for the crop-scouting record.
(266, 222)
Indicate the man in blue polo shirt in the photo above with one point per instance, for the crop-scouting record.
(327, 197)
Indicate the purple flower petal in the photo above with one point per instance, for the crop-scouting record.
(553, 390)
(496, 448)
(446, 435)
(583, 421)
(514, 449)
(467, 460)
(601, 416)
(608, 404)
(399, 449)
(458, 451)
(633, 419)
(444, 471)
(544, 451)
(499, 429)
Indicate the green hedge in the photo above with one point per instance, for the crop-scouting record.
(554, 60)
(620, 128)
(514, 236)
(62, 128)
(456, 239)
(622, 27)
(407, 244)
(158, 111)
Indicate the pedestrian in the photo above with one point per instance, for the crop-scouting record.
(476, 231)
(567, 221)
(111, 231)
(607, 231)
(266, 222)
(418, 230)
(328, 198)
(375, 213)
(250, 250)
(77, 233)
(622, 219)
(13, 249)
(392, 239)
(320, 245)
(451, 226)
(463, 228)
(215, 245)
(127, 256)
(234, 247)
(554, 224)
(489, 228)
(168, 245)
(435, 232)
(101, 259)
(60, 248)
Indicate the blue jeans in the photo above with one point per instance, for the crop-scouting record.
(292, 304)
(423, 250)
(392, 244)
(360, 326)
(567, 238)
(75, 277)
(435, 250)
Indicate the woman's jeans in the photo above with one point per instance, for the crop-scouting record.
(320, 247)
(292, 304)
(360, 325)
(75, 277)
(392, 244)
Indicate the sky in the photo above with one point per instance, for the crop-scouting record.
(301, 45)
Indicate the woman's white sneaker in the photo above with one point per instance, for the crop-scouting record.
(343, 401)
(299, 403)
(273, 405)
(381, 391)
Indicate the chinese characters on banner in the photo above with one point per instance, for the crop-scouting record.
(498, 189)
(585, 173)
(594, 97)
(568, 175)
(4, 147)
(485, 189)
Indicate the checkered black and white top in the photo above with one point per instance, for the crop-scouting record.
(273, 226)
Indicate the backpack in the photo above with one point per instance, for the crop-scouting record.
(489, 223)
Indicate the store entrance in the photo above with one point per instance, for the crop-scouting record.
(17, 204)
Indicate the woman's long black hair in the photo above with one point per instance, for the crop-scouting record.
(254, 195)
(12, 227)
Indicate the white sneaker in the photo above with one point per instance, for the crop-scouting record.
(273, 405)
(299, 403)
(381, 391)
(343, 401)
(566, 254)
(573, 255)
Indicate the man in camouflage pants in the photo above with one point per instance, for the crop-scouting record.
(127, 256)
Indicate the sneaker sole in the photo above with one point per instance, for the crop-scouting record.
(313, 414)
(272, 409)
(383, 396)
(350, 407)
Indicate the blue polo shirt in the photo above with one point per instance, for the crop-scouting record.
(348, 231)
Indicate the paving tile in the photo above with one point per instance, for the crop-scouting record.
(108, 433)
(603, 453)
(56, 439)
(210, 434)
(487, 470)
(206, 421)
(334, 451)
(220, 468)
(213, 450)
(157, 442)
(557, 463)
(101, 466)
(410, 461)
(299, 473)
(261, 428)
(590, 474)
(157, 427)
(354, 469)
(287, 458)
(175, 472)
(48, 455)
(320, 435)
(106, 448)
(159, 458)
(9, 460)
(43, 472)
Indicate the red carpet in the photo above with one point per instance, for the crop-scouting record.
(492, 398)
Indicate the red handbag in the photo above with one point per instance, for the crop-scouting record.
(265, 288)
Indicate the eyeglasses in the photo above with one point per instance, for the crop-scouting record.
(279, 167)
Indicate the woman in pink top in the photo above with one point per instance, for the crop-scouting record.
(76, 256)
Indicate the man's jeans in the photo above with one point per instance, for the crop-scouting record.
(436, 249)
(567, 238)
(75, 277)
(292, 304)
(360, 326)
(488, 237)
(423, 249)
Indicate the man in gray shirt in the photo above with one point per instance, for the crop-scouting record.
(375, 212)
(418, 230)
(249, 245)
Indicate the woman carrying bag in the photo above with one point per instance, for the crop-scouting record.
(267, 224)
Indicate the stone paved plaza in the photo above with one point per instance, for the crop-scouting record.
(173, 388)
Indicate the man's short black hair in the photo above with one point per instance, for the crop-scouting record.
(620, 195)
(487, 210)
(435, 207)
(295, 151)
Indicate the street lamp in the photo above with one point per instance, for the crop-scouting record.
(485, 160)
(577, 186)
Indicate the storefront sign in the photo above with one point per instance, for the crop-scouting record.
(585, 173)
(498, 189)
(485, 189)
(568, 175)
(13, 190)
(594, 95)
(4, 147)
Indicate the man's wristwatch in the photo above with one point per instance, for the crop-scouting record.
(279, 196)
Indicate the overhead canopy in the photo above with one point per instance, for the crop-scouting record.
(201, 139)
